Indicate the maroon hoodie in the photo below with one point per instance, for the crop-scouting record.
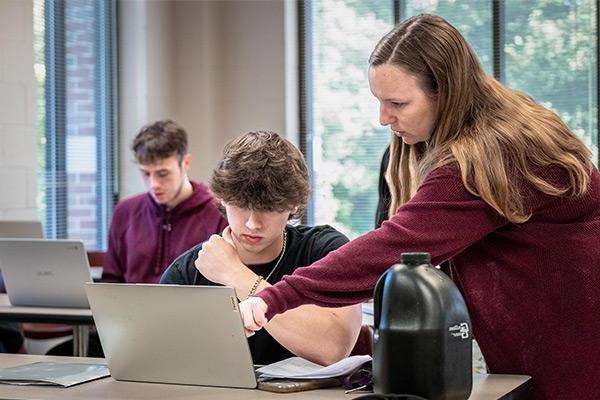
(144, 237)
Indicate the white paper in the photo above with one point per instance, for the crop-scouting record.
(299, 368)
(368, 308)
(368, 313)
(50, 373)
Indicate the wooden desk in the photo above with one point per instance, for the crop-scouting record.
(80, 318)
(485, 387)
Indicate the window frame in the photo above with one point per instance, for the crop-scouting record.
(106, 118)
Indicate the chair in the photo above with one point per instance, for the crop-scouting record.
(96, 258)
(96, 261)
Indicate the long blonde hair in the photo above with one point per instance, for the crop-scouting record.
(496, 135)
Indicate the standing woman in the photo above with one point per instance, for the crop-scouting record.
(485, 177)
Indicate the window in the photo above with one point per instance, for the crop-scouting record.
(344, 141)
(551, 53)
(546, 48)
(75, 62)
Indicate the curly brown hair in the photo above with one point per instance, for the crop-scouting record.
(159, 140)
(264, 172)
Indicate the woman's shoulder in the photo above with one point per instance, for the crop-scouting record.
(442, 179)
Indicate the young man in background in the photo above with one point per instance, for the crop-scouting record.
(150, 230)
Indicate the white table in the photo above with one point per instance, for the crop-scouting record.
(485, 387)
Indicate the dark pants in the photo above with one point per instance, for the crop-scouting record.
(11, 339)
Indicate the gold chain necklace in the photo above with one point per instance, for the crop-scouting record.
(280, 257)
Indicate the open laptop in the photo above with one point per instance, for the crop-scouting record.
(21, 229)
(191, 335)
(45, 273)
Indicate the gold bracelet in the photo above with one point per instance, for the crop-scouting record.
(255, 286)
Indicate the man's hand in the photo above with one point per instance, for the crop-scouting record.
(253, 311)
(219, 262)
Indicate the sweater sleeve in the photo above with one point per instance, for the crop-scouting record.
(443, 218)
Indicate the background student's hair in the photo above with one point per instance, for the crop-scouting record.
(383, 201)
(497, 135)
(159, 140)
(262, 171)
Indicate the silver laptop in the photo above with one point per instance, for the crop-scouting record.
(191, 335)
(45, 273)
(21, 229)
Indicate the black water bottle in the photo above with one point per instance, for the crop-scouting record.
(422, 342)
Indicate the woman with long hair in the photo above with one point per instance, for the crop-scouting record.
(484, 177)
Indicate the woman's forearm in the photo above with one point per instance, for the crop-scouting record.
(318, 334)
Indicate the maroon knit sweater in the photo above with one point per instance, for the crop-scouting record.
(533, 289)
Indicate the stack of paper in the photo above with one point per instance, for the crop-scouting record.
(53, 374)
(299, 368)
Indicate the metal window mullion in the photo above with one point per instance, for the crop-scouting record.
(55, 124)
(305, 42)
(399, 11)
(105, 94)
(115, 105)
(498, 37)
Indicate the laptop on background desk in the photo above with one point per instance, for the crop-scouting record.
(19, 229)
(45, 273)
(191, 335)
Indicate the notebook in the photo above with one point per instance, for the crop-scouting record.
(21, 229)
(45, 273)
(191, 335)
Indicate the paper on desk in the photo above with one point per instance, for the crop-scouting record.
(299, 368)
(368, 308)
(368, 313)
(52, 374)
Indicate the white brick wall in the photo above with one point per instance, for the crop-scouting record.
(18, 160)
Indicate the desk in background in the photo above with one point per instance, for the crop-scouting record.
(78, 317)
(485, 387)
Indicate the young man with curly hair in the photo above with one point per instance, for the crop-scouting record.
(262, 183)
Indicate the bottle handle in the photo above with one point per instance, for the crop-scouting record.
(377, 299)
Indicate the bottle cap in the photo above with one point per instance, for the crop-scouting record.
(415, 258)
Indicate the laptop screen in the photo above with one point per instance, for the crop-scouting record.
(45, 273)
(172, 334)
